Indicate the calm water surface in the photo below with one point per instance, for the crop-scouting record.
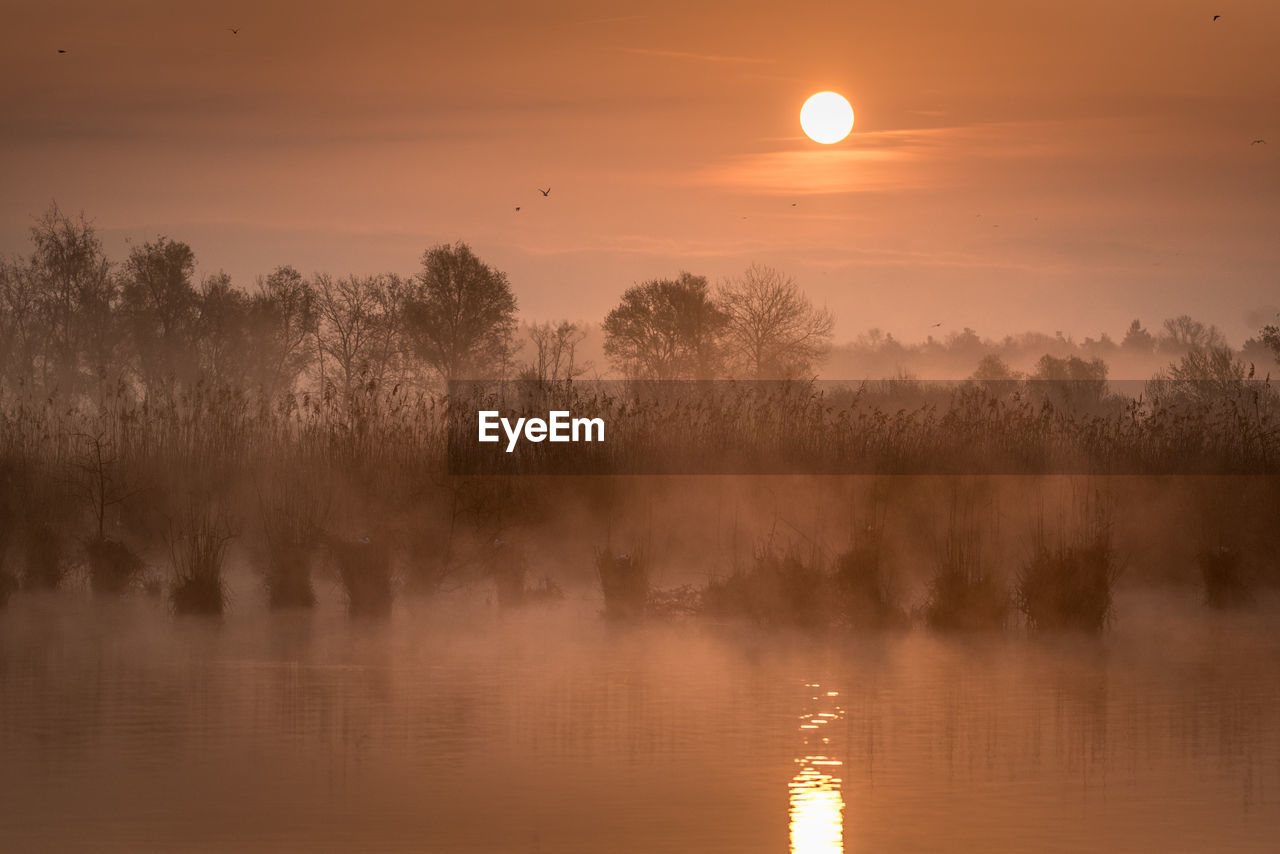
(450, 728)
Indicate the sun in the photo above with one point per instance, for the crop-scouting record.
(826, 117)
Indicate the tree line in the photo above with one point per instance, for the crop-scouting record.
(73, 322)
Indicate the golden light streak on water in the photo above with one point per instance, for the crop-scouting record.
(817, 809)
(816, 799)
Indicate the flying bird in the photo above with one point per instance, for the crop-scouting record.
(1259, 142)
(793, 204)
(1216, 17)
(60, 50)
(235, 31)
(545, 192)
(936, 325)
(517, 207)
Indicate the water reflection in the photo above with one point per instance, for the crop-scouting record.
(817, 802)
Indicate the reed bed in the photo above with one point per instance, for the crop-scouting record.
(389, 448)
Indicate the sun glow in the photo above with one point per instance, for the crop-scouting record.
(826, 117)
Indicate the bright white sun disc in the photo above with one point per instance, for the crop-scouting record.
(826, 117)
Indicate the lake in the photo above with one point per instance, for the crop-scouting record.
(452, 727)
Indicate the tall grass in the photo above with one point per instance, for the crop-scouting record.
(1068, 581)
(293, 515)
(197, 552)
(965, 592)
(780, 588)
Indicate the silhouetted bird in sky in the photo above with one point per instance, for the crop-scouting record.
(545, 192)
(60, 50)
(517, 207)
(235, 31)
(1216, 17)
(936, 325)
(1259, 142)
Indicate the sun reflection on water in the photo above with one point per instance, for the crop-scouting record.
(817, 803)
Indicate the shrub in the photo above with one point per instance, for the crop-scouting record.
(113, 566)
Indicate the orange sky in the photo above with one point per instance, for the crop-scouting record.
(1015, 165)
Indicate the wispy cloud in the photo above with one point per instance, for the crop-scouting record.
(702, 57)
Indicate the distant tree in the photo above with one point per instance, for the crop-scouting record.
(993, 369)
(57, 324)
(1072, 381)
(771, 329)
(555, 351)
(1202, 373)
(1138, 340)
(359, 329)
(461, 314)
(1270, 338)
(1102, 345)
(666, 329)
(222, 333)
(283, 317)
(162, 306)
(1184, 333)
(965, 345)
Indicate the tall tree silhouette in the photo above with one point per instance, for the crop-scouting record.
(162, 306)
(666, 329)
(772, 330)
(57, 328)
(461, 314)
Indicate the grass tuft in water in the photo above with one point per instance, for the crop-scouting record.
(1068, 581)
(113, 566)
(624, 580)
(1226, 583)
(198, 554)
(364, 566)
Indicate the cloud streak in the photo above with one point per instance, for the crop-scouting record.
(702, 57)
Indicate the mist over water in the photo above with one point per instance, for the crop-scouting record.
(453, 726)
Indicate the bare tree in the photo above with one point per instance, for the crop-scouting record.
(666, 329)
(358, 328)
(1183, 333)
(555, 346)
(772, 330)
(461, 314)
